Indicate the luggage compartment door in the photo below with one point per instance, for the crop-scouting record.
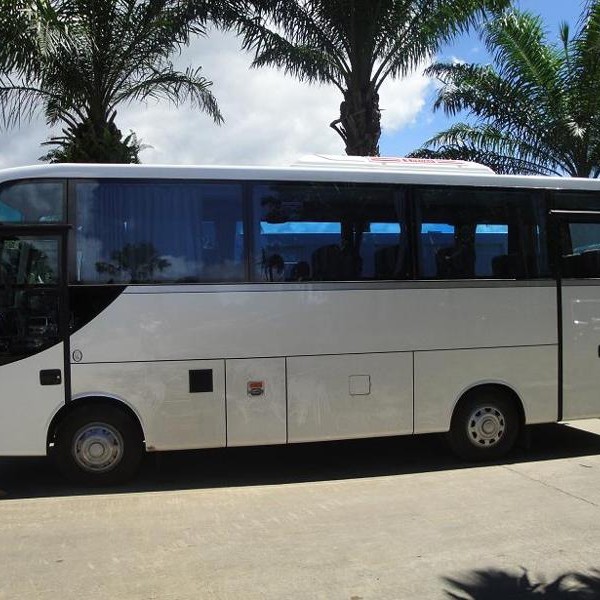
(256, 401)
(349, 396)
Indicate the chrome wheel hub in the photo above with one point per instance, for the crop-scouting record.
(98, 447)
(486, 426)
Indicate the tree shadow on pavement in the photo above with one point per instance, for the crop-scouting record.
(495, 584)
(272, 465)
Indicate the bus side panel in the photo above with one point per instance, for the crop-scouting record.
(26, 406)
(181, 404)
(349, 396)
(442, 377)
(170, 323)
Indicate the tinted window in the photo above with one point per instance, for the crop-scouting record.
(580, 242)
(477, 233)
(29, 295)
(328, 232)
(32, 202)
(158, 231)
(577, 200)
(580, 250)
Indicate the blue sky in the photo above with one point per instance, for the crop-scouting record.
(469, 48)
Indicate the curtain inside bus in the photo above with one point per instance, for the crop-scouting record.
(158, 231)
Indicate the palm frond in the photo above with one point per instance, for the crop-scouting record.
(518, 42)
(18, 103)
(281, 33)
(174, 86)
(428, 27)
(582, 74)
(303, 62)
(465, 140)
(488, 99)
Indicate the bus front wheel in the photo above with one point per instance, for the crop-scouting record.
(98, 445)
(485, 426)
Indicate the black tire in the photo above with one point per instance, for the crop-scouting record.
(485, 426)
(98, 445)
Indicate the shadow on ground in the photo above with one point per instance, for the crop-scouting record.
(495, 584)
(231, 467)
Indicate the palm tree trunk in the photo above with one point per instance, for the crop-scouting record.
(359, 124)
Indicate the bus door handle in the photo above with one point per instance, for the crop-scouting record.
(50, 377)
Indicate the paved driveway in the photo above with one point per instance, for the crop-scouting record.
(393, 518)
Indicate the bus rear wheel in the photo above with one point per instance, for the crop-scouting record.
(485, 426)
(98, 445)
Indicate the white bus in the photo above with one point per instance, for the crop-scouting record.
(149, 308)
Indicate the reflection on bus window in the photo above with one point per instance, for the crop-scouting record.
(329, 232)
(32, 202)
(580, 250)
(158, 232)
(29, 295)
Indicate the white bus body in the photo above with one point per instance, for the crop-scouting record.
(245, 362)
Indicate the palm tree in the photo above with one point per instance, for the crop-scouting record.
(78, 60)
(537, 111)
(355, 45)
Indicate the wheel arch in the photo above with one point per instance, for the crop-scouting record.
(96, 399)
(496, 386)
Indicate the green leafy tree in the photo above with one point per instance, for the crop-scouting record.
(88, 143)
(536, 110)
(356, 45)
(77, 61)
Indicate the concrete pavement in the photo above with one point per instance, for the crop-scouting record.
(355, 520)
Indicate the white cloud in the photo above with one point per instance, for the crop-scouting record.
(402, 100)
(270, 118)
(22, 146)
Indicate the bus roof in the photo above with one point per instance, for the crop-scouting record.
(316, 168)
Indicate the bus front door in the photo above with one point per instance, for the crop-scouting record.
(579, 269)
(33, 330)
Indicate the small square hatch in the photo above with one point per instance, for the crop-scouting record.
(201, 380)
(360, 385)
